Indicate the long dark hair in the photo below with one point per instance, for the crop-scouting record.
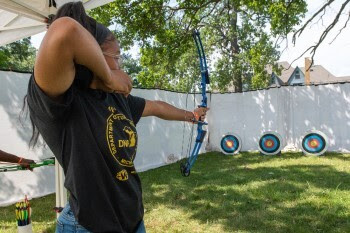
(76, 11)
(102, 34)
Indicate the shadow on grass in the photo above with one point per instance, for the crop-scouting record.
(338, 156)
(244, 196)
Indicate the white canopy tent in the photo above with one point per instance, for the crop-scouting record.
(23, 18)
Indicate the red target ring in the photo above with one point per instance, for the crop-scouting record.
(313, 143)
(269, 143)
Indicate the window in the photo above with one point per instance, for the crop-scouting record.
(297, 75)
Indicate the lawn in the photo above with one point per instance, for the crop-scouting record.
(242, 193)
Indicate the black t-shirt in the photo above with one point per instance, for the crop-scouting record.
(93, 136)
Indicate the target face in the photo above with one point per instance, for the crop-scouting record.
(270, 143)
(230, 143)
(314, 143)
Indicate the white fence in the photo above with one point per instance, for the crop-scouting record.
(14, 139)
(290, 111)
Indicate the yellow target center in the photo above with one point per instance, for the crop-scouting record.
(269, 143)
(229, 144)
(313, 143)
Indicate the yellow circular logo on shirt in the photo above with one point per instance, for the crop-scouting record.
(125, 140)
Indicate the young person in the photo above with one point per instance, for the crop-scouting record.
(79, 100)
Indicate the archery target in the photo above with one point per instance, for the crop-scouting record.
(230, 144)
(314, 143)
(270, 143)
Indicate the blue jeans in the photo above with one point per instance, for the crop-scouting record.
(66, 223)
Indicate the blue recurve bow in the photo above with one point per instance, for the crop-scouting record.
(186, 167)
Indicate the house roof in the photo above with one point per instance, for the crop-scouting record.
(279, 81)
(343, 78)
(287, 71)
(318, 74)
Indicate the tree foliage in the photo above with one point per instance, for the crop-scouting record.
(19, 56)
(132, 67)
(236, 36)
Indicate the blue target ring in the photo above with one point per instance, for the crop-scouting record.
(230, 144)
(314, 143)
(270, 143)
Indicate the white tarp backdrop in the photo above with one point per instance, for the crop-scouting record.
(14, 139)
(24, 18)
(290, 111)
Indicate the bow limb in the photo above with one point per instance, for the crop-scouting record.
(186, 167)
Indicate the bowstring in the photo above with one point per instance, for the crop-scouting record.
(189, 146)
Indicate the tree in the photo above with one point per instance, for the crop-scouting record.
(19, 56)
(318, 16)
(132, 67)
(236, 34)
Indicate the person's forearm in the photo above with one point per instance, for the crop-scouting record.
(10, 158)
(166, 111)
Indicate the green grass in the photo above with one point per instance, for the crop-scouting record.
(243, 193)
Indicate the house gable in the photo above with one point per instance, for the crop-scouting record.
(297, 77)
(274, 79)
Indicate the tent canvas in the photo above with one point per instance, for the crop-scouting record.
(23, 18)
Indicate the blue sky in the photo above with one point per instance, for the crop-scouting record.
(333, 56)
